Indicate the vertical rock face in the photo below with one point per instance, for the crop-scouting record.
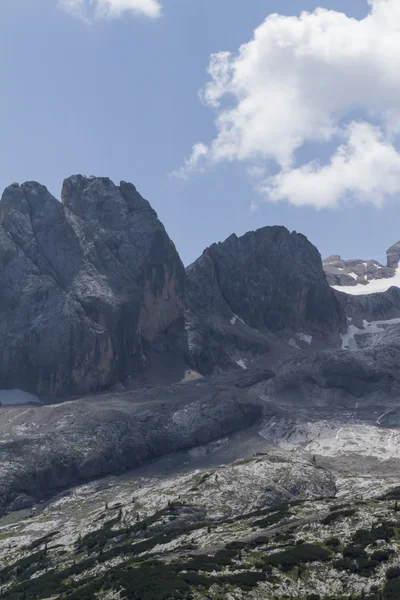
(90, 286)
(271, 279)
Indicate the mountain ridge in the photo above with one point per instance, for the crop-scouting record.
(98, 274)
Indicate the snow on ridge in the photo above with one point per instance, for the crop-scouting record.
(372, 287)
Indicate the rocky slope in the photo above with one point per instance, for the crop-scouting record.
(91, 287)
(264, 527)
(45, 449)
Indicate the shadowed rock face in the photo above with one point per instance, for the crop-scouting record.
(90, 287)
(372, 307)
(272, 280)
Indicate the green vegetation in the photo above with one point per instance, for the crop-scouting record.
(299, 555)
(273, 518)
(284, 555)
(338, 515)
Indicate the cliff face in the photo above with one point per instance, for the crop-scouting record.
(271, 280)
(94, 293)
(90, 287)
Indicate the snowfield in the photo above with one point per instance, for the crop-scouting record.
(372, 287)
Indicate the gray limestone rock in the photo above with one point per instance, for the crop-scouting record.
(258, 288)
(90, 287)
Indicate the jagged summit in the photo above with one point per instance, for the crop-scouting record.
(103, 298)
(271, 278)
(95, 294)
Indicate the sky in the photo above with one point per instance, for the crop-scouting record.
(227, 115)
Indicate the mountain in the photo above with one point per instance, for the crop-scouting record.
(227, 431)
(95, 294)
(250, 293)
(91, 287)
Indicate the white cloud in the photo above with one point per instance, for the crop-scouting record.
(199, 152)
(89, 10)
(322, 79)
(365, 168)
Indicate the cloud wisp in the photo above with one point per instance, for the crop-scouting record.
(322, 79)
(91, 10)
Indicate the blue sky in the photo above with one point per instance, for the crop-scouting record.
(119, 97)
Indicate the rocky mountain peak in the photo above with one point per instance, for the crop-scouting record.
(393, 256)
(91, 287)
(249, 294)
(272, 278)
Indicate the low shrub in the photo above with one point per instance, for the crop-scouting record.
(338, 515)
(298, 555)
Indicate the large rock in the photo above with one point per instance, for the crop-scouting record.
(91, 287)
(265, 285)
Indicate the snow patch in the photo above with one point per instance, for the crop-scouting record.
(304, 337)
(293, 343)
(353, 275)
(372, 287)
(242, 363)
(17, 398)
(236, 318)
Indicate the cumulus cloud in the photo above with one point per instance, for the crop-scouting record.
(365, 168)
(322, 79)
(89, 10)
